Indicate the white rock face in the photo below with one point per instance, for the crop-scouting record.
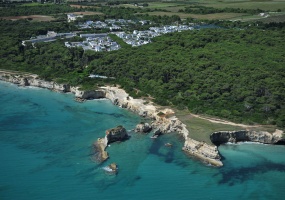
(207, 153)
(264, 137)
(143, 128)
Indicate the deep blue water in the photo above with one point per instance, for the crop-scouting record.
(45, 147)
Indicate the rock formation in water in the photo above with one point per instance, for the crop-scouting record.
(203, 151)
(100, 155)
(118, 133)
(143, 127)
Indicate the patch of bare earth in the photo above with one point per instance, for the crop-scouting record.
(87, 13)
(80, 6)
(42, 18)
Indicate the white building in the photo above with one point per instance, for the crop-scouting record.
(72, 17)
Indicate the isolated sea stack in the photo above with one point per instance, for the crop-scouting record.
(118, 133)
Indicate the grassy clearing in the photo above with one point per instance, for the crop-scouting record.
(162, 5)
(196, 16)
(38, 18)
(201, 129)
(273, 17)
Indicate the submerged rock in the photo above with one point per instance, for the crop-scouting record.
(111, 169)
(168, 144)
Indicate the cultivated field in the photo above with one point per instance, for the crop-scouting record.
(174, 7)
(196, 16)
(87, 13)
(82, 6)
(246, 4)
(40, 18)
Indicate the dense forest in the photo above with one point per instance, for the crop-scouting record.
(234, 73)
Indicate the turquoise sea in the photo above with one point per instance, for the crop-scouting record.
(45, 153)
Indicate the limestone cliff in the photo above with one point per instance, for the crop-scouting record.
(143, 128)
(34, 80)
(244, 135)
(164, 122)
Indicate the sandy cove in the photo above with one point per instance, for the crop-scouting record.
(164, 120)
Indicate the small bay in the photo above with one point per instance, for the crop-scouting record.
(45, 153)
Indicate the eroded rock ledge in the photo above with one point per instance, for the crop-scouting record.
(263, 137)
(118, 133)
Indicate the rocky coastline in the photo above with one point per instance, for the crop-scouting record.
(164, 120)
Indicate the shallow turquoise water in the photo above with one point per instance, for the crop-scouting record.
(45, 147)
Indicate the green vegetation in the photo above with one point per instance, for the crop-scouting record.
(236, 73)
(201, 129)
(36, 10)
(119, 41)
(233, 74)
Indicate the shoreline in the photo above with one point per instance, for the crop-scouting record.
(165, 123)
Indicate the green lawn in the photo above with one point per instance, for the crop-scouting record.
(201, 129)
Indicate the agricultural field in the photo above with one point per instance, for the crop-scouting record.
(247, 4)
(86, 13)
(173, 8)
(38, 18)
(197, 16)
